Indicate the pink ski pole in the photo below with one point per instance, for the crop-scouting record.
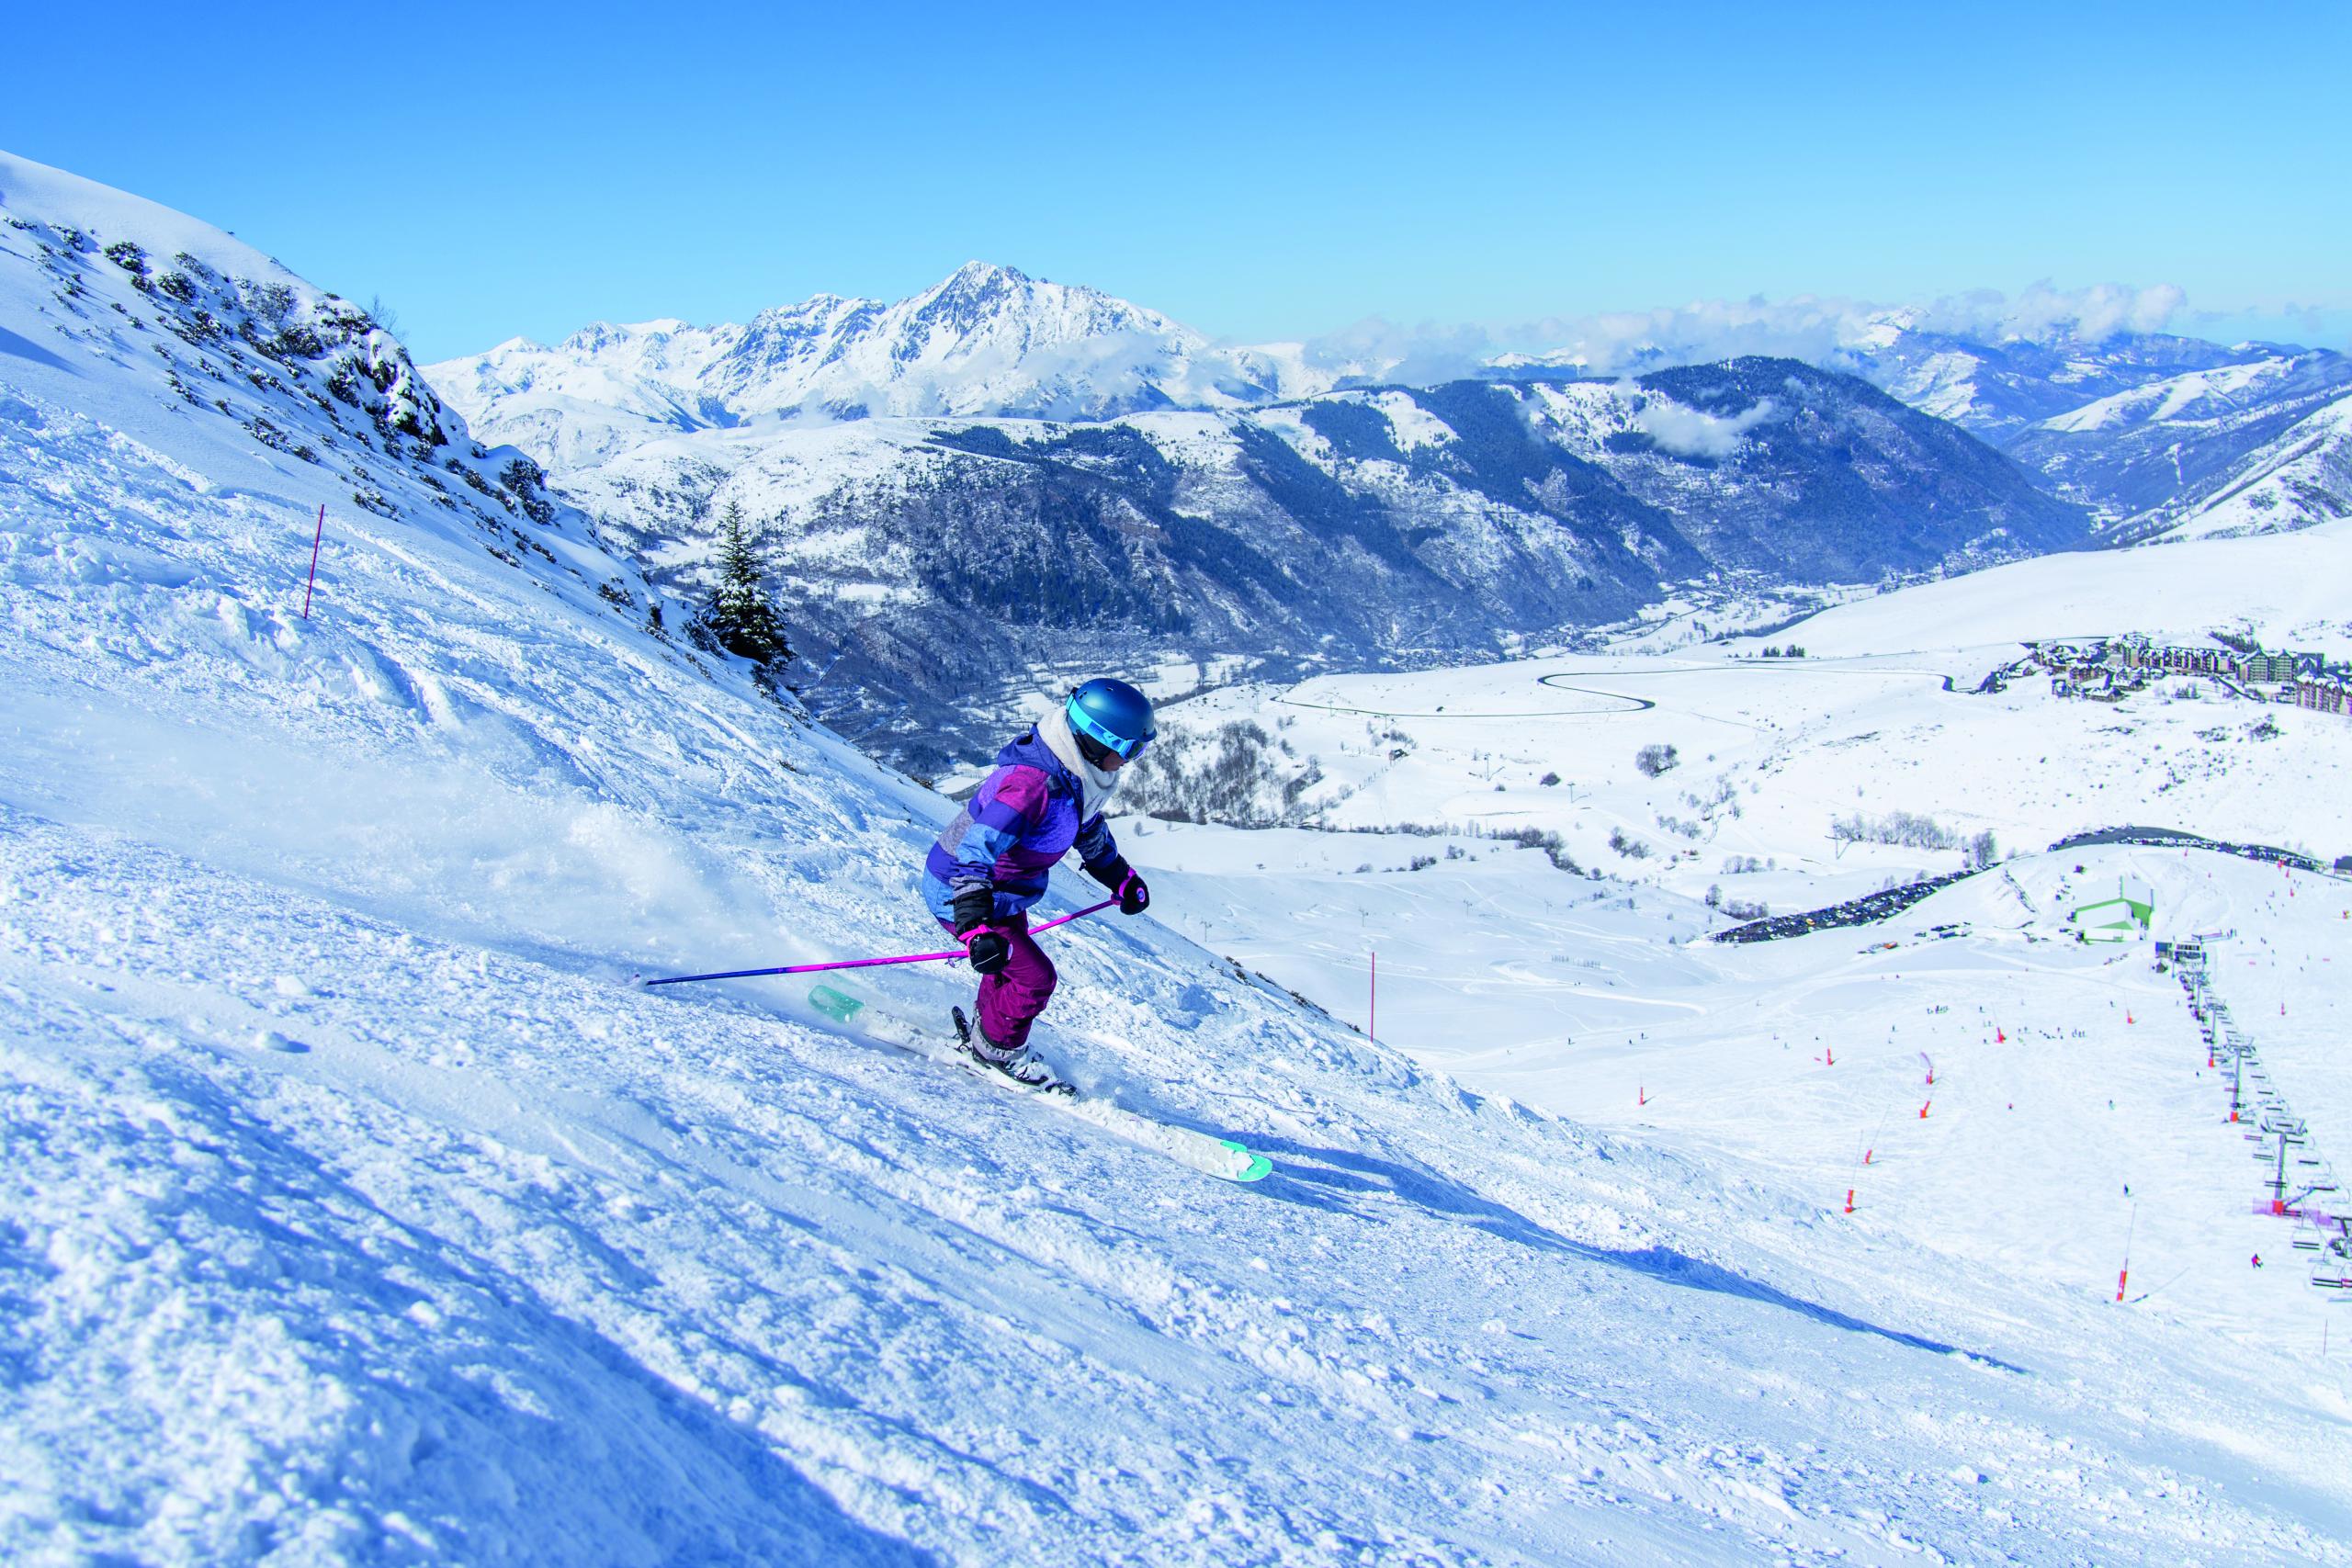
(869, 962)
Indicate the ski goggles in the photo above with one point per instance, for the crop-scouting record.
(1118, 745)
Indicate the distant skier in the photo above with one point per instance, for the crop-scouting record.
(1044, 799)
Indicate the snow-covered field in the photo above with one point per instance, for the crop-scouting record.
(1800, 1057)
(1771, 755)
(355, 1206)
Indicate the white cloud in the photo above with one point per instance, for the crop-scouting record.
(2041, 312)
(1419, 355)
(1694, 432)
(1806, 328)
(1814, 329)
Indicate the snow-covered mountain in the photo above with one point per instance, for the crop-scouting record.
(2129, 421)
(2159, 436)
(130, 318)
(927, 565)
(2143, 427)
(2001, 388)
(2251, 448)
(2148, 430)
(355, 1209)
(985, 341)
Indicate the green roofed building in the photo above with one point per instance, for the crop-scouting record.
(2127, 917)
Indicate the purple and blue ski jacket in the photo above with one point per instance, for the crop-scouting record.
(1012, 832)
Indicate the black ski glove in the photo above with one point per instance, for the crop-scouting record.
(990, 950)
(1120, 877)
(972, 906)
(974, 903)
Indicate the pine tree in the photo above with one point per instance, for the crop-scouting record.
(741, 616)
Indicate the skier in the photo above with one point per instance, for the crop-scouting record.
(1045, 797)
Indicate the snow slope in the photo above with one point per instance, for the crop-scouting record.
(2301, 478)
(2284, 590)
(1798, 1058)
(356, 1208)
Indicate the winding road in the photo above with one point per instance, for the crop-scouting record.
(1633, 704)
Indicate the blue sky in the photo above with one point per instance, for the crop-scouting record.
(1257, 171)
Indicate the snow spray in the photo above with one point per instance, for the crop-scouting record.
(869, 963)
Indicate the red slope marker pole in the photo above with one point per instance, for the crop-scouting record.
(1372, 1018)
(315, 540)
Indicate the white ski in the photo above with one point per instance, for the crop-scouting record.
(1222, 1157)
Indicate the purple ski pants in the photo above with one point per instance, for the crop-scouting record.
(1011, 999)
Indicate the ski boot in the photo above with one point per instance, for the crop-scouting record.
(1023, 1067)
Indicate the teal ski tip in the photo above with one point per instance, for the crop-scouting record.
(1258, 1166)
(838, 1006)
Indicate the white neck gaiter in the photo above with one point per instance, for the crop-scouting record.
(1095, 784)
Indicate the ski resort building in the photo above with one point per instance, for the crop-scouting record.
(2108, 671)
(2328, 696)
(2126, 917)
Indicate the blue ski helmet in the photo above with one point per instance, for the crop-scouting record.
(1113, 715)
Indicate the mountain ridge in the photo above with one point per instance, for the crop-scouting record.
(991, 342)
(987, 340)
(932, 564)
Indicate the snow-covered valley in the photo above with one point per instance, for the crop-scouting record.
(357, 1206)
